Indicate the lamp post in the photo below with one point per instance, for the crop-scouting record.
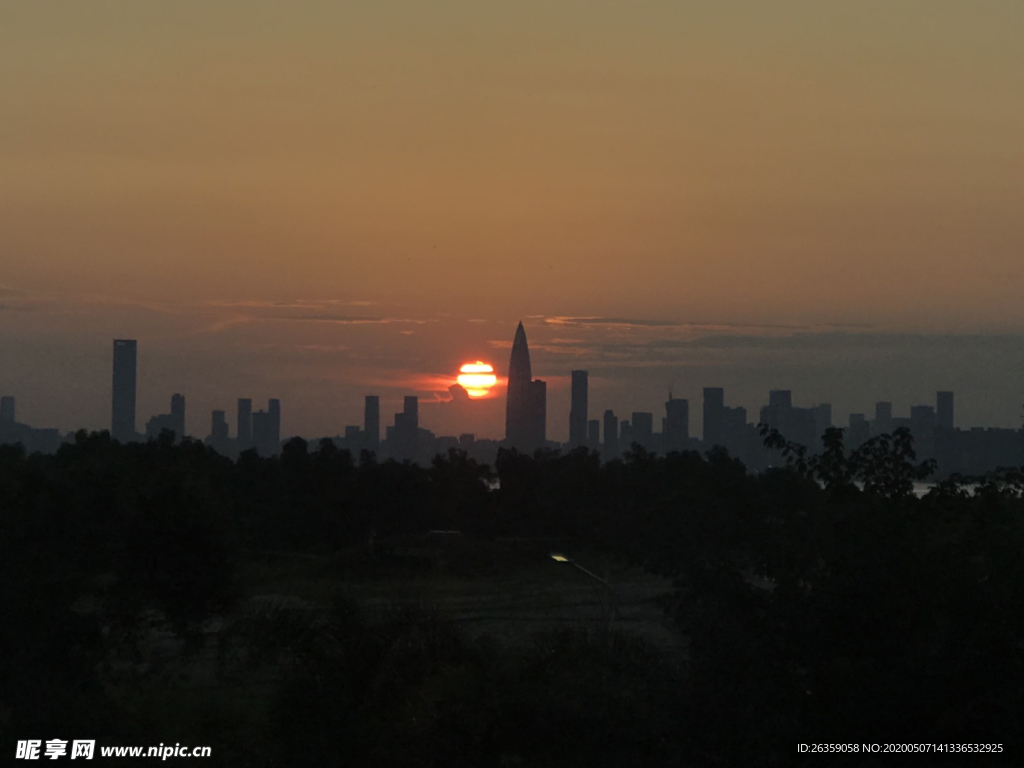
(609, 593)
(609, 603)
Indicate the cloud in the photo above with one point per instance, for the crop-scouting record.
(345, 319)
(610, 322)
(628, 323)
(290, 304)
(458, 393)
(227, 322)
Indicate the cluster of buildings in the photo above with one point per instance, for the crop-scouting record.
(936, 437)
(260, 430)
(34, 440)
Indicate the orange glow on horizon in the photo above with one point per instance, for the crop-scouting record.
(477, 378)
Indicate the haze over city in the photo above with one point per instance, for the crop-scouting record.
(576, 383)
(315, 203)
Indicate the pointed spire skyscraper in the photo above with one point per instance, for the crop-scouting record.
(526, 404)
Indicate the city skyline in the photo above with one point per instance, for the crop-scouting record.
(315, 203)
(526, 418)
(446, 416)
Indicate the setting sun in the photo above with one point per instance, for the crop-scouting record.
(477, 378)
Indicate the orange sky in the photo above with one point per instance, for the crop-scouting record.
(172, 171)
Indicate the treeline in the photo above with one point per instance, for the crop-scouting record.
(822, 600)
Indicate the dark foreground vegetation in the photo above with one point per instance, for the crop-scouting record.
(822, 602)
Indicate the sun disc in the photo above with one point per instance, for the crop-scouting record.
(477, 378)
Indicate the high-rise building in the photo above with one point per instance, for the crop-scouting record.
(643, 429)
(578, 410)
(822, 418)
(261, 432)
(371, 420)
(539, 412)
(405, 438)
(946, 440)
(218, 427)
(525, 407)
(244, 424)
(594, 434)
(677, 424)
(178, 416)
(798, 425)
(122, 420)
(882, 424)
(7, 409)
(219, 439)
(625, 435)
(858, 432)
(173, 422)
(734, 431)
(266, 429)
(611, 435)
(714, 407)
(412, 411)
(922, 427)
(780, 398)
(944, 410)
(274, 408)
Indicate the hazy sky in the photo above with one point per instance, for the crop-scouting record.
(317, 200)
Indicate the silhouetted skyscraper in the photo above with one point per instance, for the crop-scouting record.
(946, 441)
(526, 403)
(538, 412)
(266, 429)
(218, 427)
(922, 427)
(244, 424)
(7, 409)
(883, 419)
(714, 407)
(944, 410)
(122, 420)
(371, 420)
(858, 432)
(168, 422)
(412, 411)
(643, 429)
(578, 410)
(404, 440)
(275, 420)
(822, 420)
(677, 425)
(611, 435)
(780, 398)
(178, 416)
(594, 434)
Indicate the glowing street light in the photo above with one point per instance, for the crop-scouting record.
(610, 601)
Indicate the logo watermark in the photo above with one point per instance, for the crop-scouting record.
(54, 749)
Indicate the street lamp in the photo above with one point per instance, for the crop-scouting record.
(610, 601)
